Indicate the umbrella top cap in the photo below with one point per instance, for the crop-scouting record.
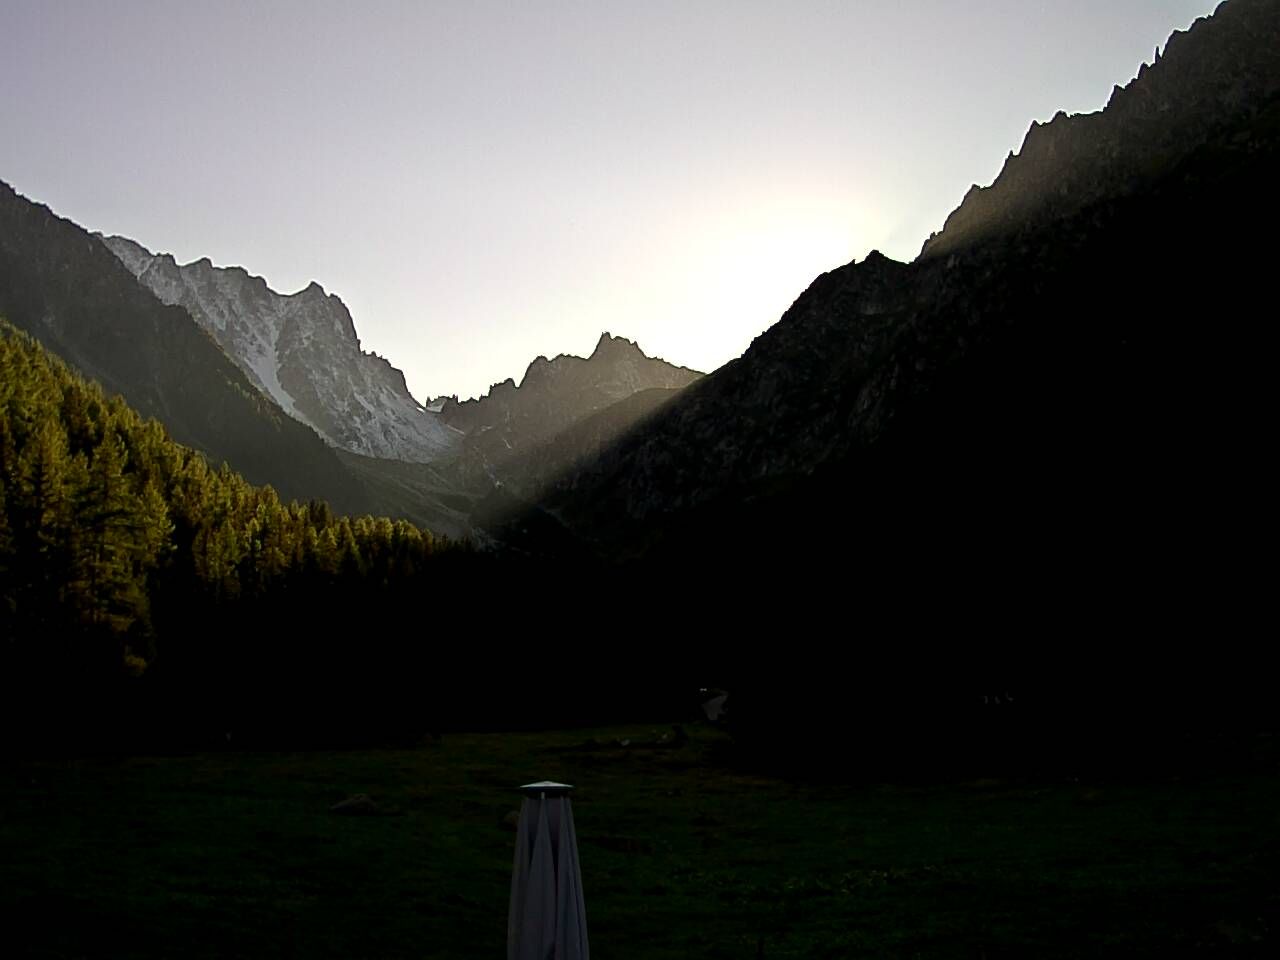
(545, 787)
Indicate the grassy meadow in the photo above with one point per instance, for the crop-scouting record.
(684, 854)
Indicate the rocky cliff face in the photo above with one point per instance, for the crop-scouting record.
(302, 351)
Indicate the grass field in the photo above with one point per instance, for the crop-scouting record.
(237, 854)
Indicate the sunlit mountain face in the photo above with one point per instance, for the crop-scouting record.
(302, 351)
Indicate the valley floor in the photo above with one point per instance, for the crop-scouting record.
(683, 855)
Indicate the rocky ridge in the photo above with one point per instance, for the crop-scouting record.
(507, 428)
(301, 350)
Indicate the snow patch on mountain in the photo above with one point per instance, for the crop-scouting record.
(300, 349)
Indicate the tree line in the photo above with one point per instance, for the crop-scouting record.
(124, 554)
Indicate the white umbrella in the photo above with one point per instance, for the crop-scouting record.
(547, 919)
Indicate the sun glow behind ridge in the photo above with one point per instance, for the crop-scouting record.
(482, 183)
(741, 270)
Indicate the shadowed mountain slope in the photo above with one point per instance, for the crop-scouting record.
(1222, 69)
(1076, 392)
(63, 286)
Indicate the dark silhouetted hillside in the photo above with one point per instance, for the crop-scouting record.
(1061, 412)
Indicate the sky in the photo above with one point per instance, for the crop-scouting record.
(482, 183)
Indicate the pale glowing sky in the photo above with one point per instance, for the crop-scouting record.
(485, 182)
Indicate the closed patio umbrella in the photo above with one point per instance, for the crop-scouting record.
(547, 919)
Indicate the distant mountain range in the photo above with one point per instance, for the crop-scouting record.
(517, 439)
(250, 376)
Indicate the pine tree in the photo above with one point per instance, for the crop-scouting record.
(113, 541)
(6, 567)
(43, 533)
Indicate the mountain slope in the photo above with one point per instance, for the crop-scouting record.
(63, 286)
(1071, 383)
(302, 351)
(1224, 67)
(507, 429)
(108, 529)
(425, 494)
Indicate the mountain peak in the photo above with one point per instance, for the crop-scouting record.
(555, 393)
(609, 346)
(876, 257)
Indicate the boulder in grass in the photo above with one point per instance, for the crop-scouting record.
(359, 805)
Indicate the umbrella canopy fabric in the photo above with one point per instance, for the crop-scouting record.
(547, 919)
